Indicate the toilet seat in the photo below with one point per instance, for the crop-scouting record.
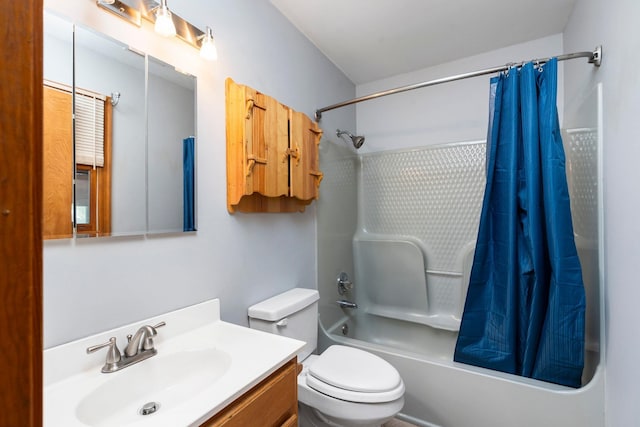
(343, 412)
(354, 375)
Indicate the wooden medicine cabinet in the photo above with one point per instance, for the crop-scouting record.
(272, 154)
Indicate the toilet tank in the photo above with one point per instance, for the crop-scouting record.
(293, 314)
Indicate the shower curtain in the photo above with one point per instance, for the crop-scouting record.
(524, 312)
(188, 202)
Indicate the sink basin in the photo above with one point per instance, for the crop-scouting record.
(203, 364)
(168, 380)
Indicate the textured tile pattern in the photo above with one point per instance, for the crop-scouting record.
(338, 174)
(581, 149)
(433, 194)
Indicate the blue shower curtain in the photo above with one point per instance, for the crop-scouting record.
(524, 312)
(188, 148)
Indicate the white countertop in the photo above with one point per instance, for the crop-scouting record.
(70, 374)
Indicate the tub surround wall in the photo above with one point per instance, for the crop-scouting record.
(337, 220)
(98, 284)
(418, 220)
(615, 26)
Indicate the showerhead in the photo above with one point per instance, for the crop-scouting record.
(355, 139)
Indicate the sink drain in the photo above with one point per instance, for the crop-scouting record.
(149, 408)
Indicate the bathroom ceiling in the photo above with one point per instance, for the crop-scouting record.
(373, 39)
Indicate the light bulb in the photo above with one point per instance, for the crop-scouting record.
(164, 22)
(208, 47)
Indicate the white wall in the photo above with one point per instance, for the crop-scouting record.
(97, 284)
(57, 51)
(614, 24)
(451, 112)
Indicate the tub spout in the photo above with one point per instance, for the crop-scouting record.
(346, 304)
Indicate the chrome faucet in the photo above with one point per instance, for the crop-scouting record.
(139, 348)
(142, 340)
(344, 284)
(346, 304)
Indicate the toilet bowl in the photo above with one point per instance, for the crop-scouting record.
(379, 397)
(342, 386)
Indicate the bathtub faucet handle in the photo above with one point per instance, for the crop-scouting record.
(343, 303)
(344, 284)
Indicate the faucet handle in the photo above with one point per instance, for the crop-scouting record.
(344, 284)
(159, 325)
(113, 353)
(148, 341)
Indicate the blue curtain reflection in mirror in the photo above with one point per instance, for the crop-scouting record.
(188, 148)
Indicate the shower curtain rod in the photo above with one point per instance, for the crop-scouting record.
(595, 58)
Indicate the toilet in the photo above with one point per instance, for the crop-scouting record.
(343, 386)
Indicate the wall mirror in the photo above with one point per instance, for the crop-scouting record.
(58, 168)
(124, 165)
(110, 86)
(171, 149)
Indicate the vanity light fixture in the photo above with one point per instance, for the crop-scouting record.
(164, 20)
(122, 10)
(208, 49)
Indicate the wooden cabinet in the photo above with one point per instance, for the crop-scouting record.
(272, 153)
(273, 402)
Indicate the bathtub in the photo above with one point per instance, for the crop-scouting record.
(403, 224)
(443, 393)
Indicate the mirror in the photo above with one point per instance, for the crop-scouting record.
(115, 77)
(57, 222)
(132, 170)
(170, 150)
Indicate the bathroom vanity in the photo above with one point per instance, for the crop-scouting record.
(274, 401)
(207, 372)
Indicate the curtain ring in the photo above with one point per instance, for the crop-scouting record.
(510, 66)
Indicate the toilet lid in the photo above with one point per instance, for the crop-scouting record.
(356, 375)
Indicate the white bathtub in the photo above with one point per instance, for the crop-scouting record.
(442, 393)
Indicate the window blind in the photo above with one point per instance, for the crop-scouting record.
(89, 130)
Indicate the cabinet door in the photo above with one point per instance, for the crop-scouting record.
(272, 403)
(304, 163)
(236, 113)
(266, 144)
(57, 164)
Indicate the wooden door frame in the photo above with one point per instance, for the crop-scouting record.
(21, 213)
